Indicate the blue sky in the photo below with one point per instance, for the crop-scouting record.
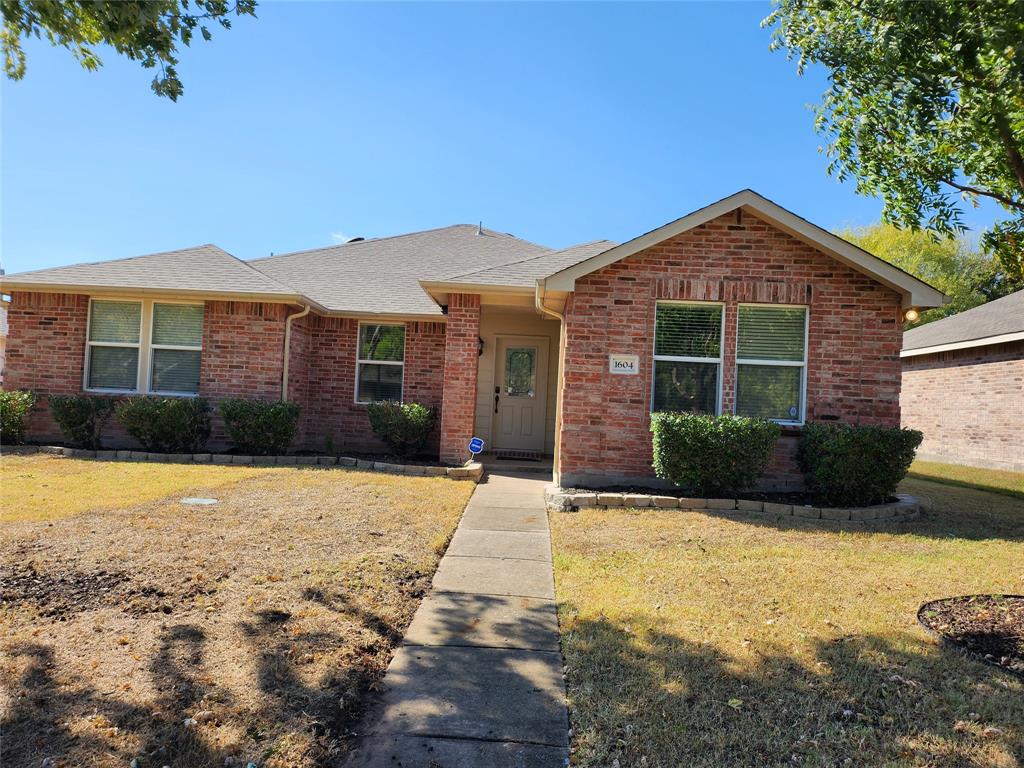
(318, 122)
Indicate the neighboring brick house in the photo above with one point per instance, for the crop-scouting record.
(738, 307)
(963, 385)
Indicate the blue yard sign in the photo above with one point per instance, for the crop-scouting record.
(476, 445)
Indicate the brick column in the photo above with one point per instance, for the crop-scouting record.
(458, 402)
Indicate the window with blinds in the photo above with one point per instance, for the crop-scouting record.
(687, 358)
(126, 336)
(112, 349)
(380, 363)
(176, 348)
(771, 362)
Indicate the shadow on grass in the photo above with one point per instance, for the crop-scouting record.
(644, 696)
(298, 720)
(94, 723)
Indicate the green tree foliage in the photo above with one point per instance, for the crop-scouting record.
(925, 107)
(148, 31)
(968, 277)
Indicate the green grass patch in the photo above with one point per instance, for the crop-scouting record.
(996, 480)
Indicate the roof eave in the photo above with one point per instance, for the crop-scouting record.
(10, 286)
(984, 341)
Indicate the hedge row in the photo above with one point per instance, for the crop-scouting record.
(182, 424)
(842, 464)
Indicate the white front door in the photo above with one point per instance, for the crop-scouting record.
(520, 393)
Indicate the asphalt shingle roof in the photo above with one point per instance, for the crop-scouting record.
(1002, 316)
(526, 272)
(382, 276)
(204, 268)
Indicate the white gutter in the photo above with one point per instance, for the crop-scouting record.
(287, 345)
(538, 300)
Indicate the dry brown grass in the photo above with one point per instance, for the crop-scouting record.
(272, 612)
(698, 640)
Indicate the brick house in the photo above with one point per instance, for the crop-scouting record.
(739, 307)
(963, 385)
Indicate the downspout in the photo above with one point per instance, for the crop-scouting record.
(287, 347)
(538, 300)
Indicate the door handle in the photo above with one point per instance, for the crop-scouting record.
(496, 398)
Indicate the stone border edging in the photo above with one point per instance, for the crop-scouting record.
(470, 471)
(906, 508)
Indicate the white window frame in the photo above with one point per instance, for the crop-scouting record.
(361, 361)
(802, 365)
(144, 372)
(720, 360)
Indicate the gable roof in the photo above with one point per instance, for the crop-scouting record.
(203, 269)
(382, 276)
(998, 321)
(915, 292)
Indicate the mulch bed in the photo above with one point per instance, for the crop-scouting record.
(990, 627)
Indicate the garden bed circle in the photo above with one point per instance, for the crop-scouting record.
(1017, 667)
(472, 470)
(905, 507)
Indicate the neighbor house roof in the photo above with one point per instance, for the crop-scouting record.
(998, 321)
(382, 276)
(915, 292)
(204, 269)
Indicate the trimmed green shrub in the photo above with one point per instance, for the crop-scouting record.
(14, 407)
(260, 428)
(712, 455)
(847, 465)
(405, 427)
(81, 418)
(166, 424)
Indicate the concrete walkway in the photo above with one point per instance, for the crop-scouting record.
(478, 680)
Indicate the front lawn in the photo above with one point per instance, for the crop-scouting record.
(263, 618)
(698, 640)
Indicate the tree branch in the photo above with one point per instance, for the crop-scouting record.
(1007, 201)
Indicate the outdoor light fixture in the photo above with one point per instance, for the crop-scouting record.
(911, 315)
(479, 346)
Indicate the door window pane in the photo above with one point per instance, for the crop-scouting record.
(689, 387)
(178, 325)
(175, 370)
(769, 391)
(520, 371)
(379, 382)
(115, 321)
(113, 367)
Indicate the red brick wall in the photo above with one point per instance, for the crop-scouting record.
(45, 351)
(328, 401)
(854, 337)
(969, 403)
(242, 346)
(460, 368)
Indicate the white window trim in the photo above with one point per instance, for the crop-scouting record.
(720, 360)
(144, 373)
(802, 364)
(361, 361)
